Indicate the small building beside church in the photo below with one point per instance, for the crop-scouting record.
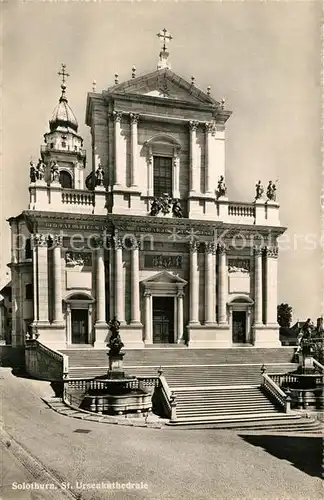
(151, 234)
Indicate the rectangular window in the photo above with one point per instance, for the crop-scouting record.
(28, 249)
(162, 175)
(29, 291)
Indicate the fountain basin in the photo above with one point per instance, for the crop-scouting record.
(117, 402)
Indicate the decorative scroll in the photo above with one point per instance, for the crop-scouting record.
(163, 262)
(239, 266)
(73, 259)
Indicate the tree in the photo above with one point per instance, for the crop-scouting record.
(284, 315)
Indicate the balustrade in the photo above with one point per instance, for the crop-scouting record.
(241, 210)
(74, 197)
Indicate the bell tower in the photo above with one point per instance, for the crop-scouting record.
(63, 145)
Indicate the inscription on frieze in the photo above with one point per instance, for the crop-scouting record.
(163, 262)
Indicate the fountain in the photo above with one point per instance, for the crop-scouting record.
(305, 385)
(117, 392)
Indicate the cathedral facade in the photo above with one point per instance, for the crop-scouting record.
(150, 235)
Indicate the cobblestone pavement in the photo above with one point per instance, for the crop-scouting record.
(174, 464)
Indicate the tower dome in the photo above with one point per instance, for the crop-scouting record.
(63, 116)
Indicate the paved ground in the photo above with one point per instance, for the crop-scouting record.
(175, 464)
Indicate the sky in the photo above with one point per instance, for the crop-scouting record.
(262, 57)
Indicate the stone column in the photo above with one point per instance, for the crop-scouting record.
(271, 277)
(180, 317)
(150, 175)
(35, 290)
(148, 318)
(100, 284)
(258, 286)
(194, 283)
(135, 296)
(119, 174)
(209, 283)
(119, 283)
(194, 167)
(176, 175)
(68, 324)
(57, 242)
(222, 285)
(209, 128)
(41, 242)
(134, 140)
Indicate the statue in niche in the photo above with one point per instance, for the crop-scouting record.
(221, 187)
(115, 343)
(259, 190)
(55, 173)
(271, 191)
(176, 209)
(32, 172)
(40, 170)
(99, 176)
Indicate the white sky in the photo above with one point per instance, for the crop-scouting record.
(263, 57)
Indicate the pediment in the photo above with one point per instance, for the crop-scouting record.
(164, 277)
(164, 84)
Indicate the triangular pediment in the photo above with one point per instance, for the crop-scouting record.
(164, 84)
(164, 277)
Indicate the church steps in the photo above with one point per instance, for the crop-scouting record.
(184, 356)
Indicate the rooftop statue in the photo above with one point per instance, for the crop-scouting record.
(99, 176)
(259, 190)
(271, 191)
(176, 209)
(55, 173)
(32, 172)
(40, 170)
(221, 187)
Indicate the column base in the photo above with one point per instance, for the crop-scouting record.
(209, 336)
(101, 335)
(266, 336)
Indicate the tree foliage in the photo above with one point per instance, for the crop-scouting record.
(284, 315)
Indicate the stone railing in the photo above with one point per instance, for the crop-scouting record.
(74, 197)
(76, 389)
(319, 368)
(270, 387)
(45, 363)
(67, 149)
(241, 210)
(166, 398)
(283, 379)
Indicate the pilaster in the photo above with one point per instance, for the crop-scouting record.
(57, 242)
(119, 283)
(194, 283)
(210, 271)
(222, 284)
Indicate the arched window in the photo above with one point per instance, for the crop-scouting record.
(65, 179)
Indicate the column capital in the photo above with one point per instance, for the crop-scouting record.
(271, 251)
(56, 240)
(193, 125)
(117, 116)
(210, 247)
(210, 128)
(136, 244)
(221, 249)
(118, 244)
(257, 250)
(147, 293)
(193, 246)
(100, 241)
(180, 294)
(40, 240)
(134, 117)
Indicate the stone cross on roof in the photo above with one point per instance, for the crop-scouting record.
(166, 37)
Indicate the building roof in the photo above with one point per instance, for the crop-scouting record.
(63, 116)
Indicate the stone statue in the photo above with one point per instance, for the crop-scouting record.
(40, 170)
(271, 191)
(308, 328)
(155, 207)
(55, 173)
(259, 190)
(176, 209)
(32, 172)
(99, 176)
(115, 343)
(165, 203)
(221, 187)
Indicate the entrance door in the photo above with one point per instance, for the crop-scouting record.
(239, 327)
(79, 320)
(163, 320)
